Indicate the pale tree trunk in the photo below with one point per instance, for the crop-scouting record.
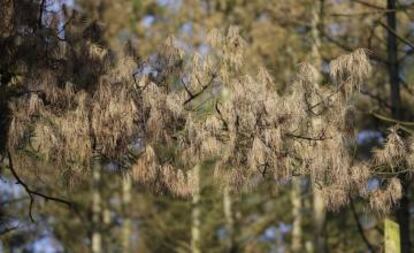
(126, 202)
(228, 214)
(319, 210)
(297, 215)
(402, 212)
(319, 216)
(317, 9)
(105, 216)
(96, 207)
(195, 212)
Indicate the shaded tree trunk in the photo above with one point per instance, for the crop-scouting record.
(297, 215)
(195, 212)
(402, 211)
(7, 15)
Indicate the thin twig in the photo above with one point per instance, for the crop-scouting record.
(8, 230)
(320, 138)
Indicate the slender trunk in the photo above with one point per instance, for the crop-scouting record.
(319, 217)
(402, 214)
(402, 211)
(319, 210)
(195, 213)
(297, 215)
(393, 67)
(96, 207)
(317, 10)
(126, 226)
(228, 213)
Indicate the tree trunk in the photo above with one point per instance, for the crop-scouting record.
(96, 207)
(402, 211)
(228, 213)
(126, 202)
(195, 213)
(319, 210)
(297, 215)
(319, 216)
(317, 10)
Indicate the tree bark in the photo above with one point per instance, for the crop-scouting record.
(393, 66)
(319, 217)
(319, 210)
(228, 213)
(402, 211)
(297, 215)
(126, 202)
(96, 207)
(195, 213)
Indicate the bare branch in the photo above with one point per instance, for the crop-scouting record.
(201, 91)
(369, 5)
(359, 226)
(322, 137)
(33, 193)
(403, 40)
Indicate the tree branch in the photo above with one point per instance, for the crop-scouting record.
(322, 137)
(8, 230)
(359, 226)
(350, 49)
(403, 40)
(201, 91)
(187, 89)
(392, 120)
(33, 193)
(369, 5)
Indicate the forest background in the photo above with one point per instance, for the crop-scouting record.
(206, 125)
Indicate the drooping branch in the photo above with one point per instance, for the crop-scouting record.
(33, 193)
